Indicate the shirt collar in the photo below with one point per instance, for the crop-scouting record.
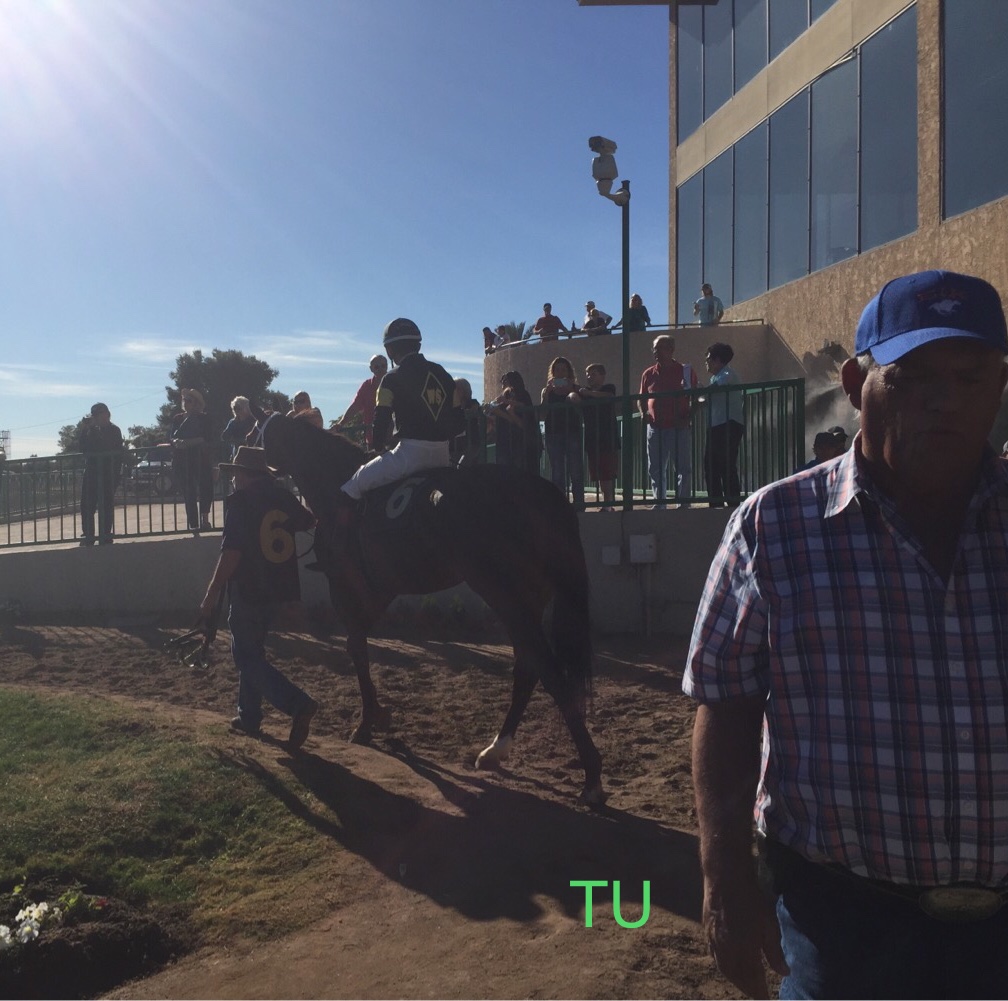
(849, 476)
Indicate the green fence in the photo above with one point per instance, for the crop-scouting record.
(40, 497)
(772, 446)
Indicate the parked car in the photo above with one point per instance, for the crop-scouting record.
(154, 474)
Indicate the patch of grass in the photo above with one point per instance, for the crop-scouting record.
(91, 794)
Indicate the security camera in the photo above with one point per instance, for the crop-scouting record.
(599, 144)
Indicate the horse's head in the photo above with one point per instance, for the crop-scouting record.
(313, 457)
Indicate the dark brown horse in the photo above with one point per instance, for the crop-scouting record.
(510, 535)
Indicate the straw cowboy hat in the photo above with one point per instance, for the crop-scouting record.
(249, 460)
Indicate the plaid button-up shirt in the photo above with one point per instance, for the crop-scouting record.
(886, 727)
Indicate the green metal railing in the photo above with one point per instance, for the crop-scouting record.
(773, 442)
(40, 497)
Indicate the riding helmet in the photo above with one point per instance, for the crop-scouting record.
(401, 329)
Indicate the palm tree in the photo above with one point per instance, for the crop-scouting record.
(512, 331)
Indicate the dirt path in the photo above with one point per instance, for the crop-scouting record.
(443, 881)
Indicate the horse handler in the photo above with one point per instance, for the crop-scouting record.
(258, 563)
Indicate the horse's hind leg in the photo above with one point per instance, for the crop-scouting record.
(521, 691)
(535, 660)
(374, 716)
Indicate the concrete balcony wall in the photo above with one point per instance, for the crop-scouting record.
(760, 355)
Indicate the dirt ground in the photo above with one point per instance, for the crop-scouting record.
(444, 881)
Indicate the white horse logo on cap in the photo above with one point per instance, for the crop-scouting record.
(946, 307)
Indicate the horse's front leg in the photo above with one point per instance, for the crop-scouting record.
(374, 716)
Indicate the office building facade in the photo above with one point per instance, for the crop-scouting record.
(819, 148)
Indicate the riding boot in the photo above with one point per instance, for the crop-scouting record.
(333, 546)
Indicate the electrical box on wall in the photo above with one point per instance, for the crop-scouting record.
(643, 549)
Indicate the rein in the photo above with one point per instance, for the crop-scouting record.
(262, 429)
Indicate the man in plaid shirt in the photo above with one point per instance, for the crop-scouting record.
(856, 615)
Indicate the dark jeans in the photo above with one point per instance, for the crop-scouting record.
(198, 486)
(566, 456)
(721, 463)
(843, 937)
(258, 679)
(97, 495)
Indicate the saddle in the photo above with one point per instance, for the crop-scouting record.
(399, 508)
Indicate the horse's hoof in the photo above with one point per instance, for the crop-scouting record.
(594, 796)
(361, 735)
(492, 756)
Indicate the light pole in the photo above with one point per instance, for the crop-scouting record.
(604, 171)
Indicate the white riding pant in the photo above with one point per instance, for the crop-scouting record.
(409, 456)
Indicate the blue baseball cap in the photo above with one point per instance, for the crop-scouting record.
(930, 306)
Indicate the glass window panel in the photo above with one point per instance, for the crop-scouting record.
(750, 40)
(717, 227)
(834, 170)
(789, 191)
(689, 63)
(717, 56)
(889, 132)
(750, 251)
(976, 103)
(689, 245)
(788, 19)
(819, 7)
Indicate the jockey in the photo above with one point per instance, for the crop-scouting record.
(420, 395)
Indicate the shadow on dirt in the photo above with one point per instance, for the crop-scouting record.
(507, 850)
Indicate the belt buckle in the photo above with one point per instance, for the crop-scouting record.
(960, 903)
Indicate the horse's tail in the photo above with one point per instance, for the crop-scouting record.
(570, 622)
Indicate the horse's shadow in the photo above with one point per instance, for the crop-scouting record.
(499, 851)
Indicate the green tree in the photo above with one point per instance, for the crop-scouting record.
(69, 438)
(220, 378)
(146, 436)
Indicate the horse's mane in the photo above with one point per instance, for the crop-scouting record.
(319, 462)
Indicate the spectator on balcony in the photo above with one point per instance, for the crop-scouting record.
(668, 420)
(725, 428)
(708, 308)
(595, 320)
(491, 341)
(468, 446)
(549, 325)
(516, 426)
(638, 317)
(601, 432)
(102, 444)
(562, 419)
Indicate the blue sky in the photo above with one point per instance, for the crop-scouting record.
(282, 177)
